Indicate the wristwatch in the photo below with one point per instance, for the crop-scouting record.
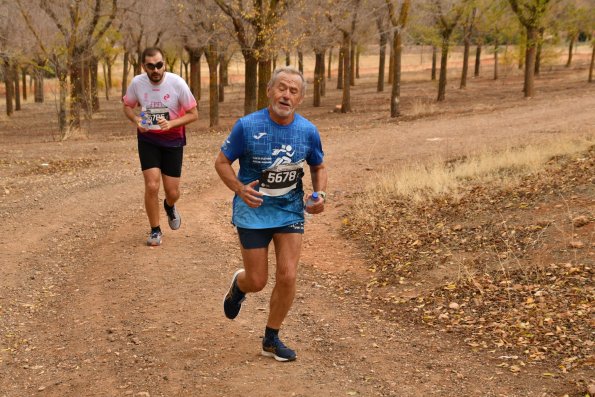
(323, 195)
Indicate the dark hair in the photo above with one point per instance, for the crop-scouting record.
(151, 51)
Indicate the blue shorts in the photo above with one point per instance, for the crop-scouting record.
(261, 238)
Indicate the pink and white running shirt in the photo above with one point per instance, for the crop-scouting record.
(171, 98)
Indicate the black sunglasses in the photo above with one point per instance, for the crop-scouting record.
(153, 66)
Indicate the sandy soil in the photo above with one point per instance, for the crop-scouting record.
(88, 310)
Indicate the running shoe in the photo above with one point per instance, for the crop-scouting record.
(173, 216)
(154, 239)
(273, 347)
(232, 303)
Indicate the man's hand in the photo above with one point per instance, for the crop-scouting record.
(250, 196)
(164, 123)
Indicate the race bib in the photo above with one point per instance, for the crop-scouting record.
(156, 113)
(281, 179)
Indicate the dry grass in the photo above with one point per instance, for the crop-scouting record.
(419, 182)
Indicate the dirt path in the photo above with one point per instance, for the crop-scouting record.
(88, 310)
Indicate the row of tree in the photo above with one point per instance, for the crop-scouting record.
(70, 39)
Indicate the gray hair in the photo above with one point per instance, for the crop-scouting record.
(288, 70)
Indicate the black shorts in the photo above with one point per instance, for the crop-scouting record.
(261, 238)
(167, 159)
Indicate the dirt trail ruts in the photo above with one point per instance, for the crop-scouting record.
(88, 310)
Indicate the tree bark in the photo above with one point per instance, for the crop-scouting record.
(330, 61)
(264, 75)
(104, 68)
(301, 61)
(318, 76)
(9, 86)
(592, 64)
(496, 50)
(323, 79)
(529, 88)
(212, 56)
(570, 48)
(125, 72)
(194, 55)
(382, 60)
(251, 81)
(346, 98)
(357, 54)
(93, 70)
(539, 46)
(352, 63)
(391, 65)
(443, 63)
(466, 46)
(395, 109)
(17, 91)
(24, 78)
(477, 60)
(434, 56)
(38, 93)
(340, 68)
(287, 58)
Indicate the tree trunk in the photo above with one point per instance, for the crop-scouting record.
(264, 75)
(592, 64)
(529, 88)
(434, 56)
(104, 68)
(522, 49)
(38, 93)
(287, 58)
(251, 81)
(24, 78)
(301, 61)
(194, 55)
(340, 69)
(467, 45)
(17, 91)
(352, 51)
(330, 61)
(125, 72)
(63, 92)
(357, 54)
(443, 63)
(391, 65)
(323, 79)
(395, 97)
(9, 86)
(221, 73)
(93, 69)
(213, 60)
(86, 95)
(346, 98)
(477, 60)
(496, 50)
(318, 76)
(539, 45)
(224, 62)
(75, 72)
(382, 62)
(570, 48)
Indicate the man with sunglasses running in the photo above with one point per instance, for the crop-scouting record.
(167, 105)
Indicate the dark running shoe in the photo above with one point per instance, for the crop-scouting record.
(273, 347)
(154, 239)
(173, 216)
(232, 303)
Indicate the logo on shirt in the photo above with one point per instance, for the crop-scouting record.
(166, 97)
(259, 135)
(285, 153)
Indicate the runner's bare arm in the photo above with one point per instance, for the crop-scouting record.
(319, 180)
(246, 192)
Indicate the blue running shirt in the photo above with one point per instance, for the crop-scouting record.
(259, 143)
